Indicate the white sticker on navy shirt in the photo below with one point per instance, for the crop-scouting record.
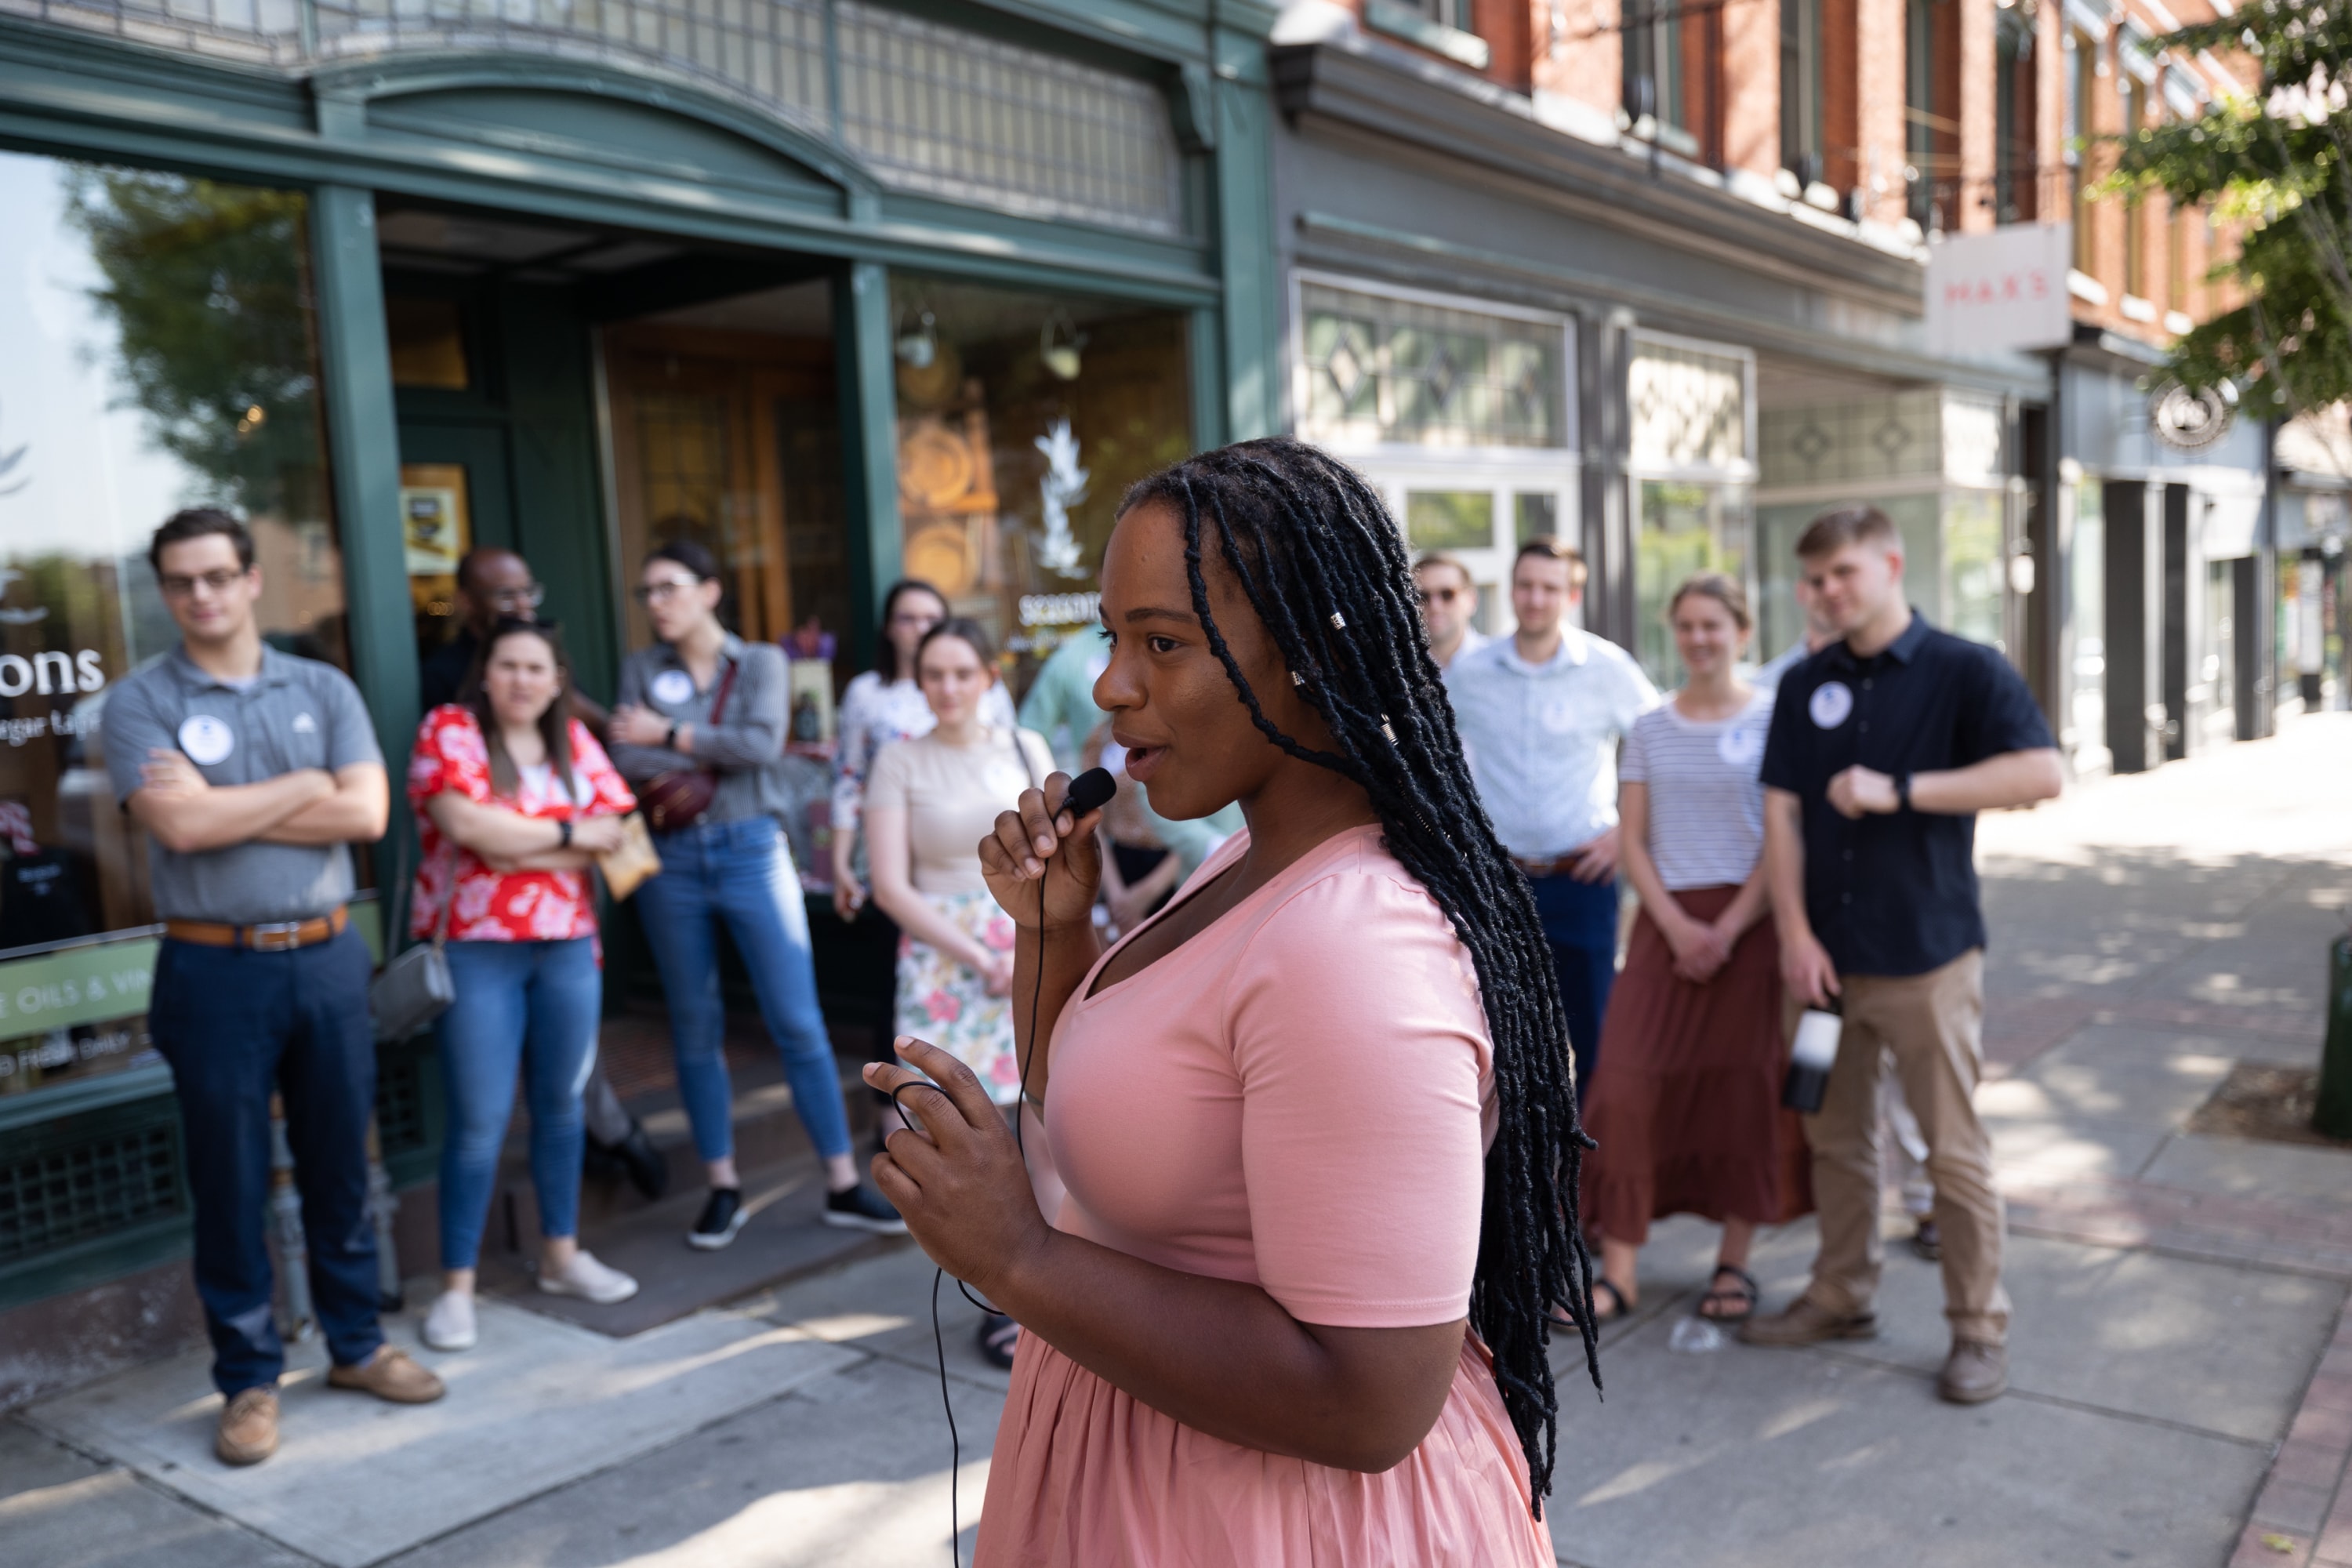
(673, 687)
(1833, 700)
(1740, 746)
(206, 739)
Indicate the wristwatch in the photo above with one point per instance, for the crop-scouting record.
(1902, 792)
(563, 828)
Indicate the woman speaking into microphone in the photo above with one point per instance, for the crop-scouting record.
(1317, 1116)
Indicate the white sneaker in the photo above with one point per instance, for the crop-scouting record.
(449, 1326)
(590, 1281)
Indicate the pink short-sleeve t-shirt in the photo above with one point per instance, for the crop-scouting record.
(1299, 1097)
(1315, 1066)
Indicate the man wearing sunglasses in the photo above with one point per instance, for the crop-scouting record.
(1449, 607)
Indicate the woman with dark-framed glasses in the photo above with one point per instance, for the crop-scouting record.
(702, 698)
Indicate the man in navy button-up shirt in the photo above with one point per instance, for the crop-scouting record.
(1884, 747)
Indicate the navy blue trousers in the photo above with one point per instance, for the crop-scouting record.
(234, 1024)
(1580, 920)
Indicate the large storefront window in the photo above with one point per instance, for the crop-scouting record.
(1932, 459)
(1023, 419)
(1692, 459)
(1780, 525)
(1458, 412)
(1684, 528)
(159, 352)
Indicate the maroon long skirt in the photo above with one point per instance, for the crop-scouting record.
(1685, 1098)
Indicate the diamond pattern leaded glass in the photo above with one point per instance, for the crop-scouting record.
(940, 109)
(927, 107)
(1381, 371)
(1689, 409)
(1917, 432)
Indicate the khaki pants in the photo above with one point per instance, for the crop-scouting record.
(1931, 1025)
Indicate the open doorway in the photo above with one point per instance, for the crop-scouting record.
(579, 395)
(725, 428)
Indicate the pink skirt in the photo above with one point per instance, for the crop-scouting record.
(1085, 1475)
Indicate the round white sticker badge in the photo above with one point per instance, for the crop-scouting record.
(206, 739)
(1832, 701)
(1740, 746)
(673, 687)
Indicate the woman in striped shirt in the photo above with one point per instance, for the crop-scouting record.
(1686, 1104)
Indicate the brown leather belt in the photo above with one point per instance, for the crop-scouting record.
(276, 936)
(1558, 866)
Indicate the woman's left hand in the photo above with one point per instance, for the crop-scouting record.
(960, 1181)
(639, 727)
(995, 971)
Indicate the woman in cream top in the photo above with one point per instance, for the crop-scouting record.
(929, 801)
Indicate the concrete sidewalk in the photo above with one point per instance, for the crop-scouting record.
(2175, 1294)
(2176, 1399)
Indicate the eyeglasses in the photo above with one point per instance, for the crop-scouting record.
(512, 599)
(1440, 595)
(669, 588)
(176, 586)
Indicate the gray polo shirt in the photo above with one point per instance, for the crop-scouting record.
(744, 748)
(297, 713)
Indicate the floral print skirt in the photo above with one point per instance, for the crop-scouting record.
(947, 1005)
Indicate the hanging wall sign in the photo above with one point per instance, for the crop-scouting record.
(1998, 290)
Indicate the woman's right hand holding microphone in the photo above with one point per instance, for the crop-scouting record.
(1041, 843)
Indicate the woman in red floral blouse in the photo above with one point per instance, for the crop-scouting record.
(513, 799)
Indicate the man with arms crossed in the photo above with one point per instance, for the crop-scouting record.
(1449, 607)
(1883, 749)
(251, 770)
(1540, 713)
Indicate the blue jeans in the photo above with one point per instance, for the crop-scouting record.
(528, 1003)
(236, 1024)
(739, 872)
(1580, 920)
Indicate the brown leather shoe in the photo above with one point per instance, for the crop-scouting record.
(1974, 1372)
(390, 1374)
(248, 1427)
(1803, 1322)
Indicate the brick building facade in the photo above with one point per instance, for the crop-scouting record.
(1725, 211)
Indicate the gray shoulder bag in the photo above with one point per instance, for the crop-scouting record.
(415, 988)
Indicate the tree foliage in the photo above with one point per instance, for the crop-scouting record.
(208, 288)
(2279, 162)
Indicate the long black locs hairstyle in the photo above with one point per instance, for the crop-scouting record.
(1324, 564)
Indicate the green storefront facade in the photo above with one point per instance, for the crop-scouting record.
(845, 290)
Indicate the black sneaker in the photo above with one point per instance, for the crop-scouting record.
(862, 1208)
(722, 1216)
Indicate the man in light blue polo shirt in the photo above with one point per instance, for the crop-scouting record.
(1540, 714)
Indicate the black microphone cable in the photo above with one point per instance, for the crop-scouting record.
(1090, 791)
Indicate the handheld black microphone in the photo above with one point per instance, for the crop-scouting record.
(1090, 791)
